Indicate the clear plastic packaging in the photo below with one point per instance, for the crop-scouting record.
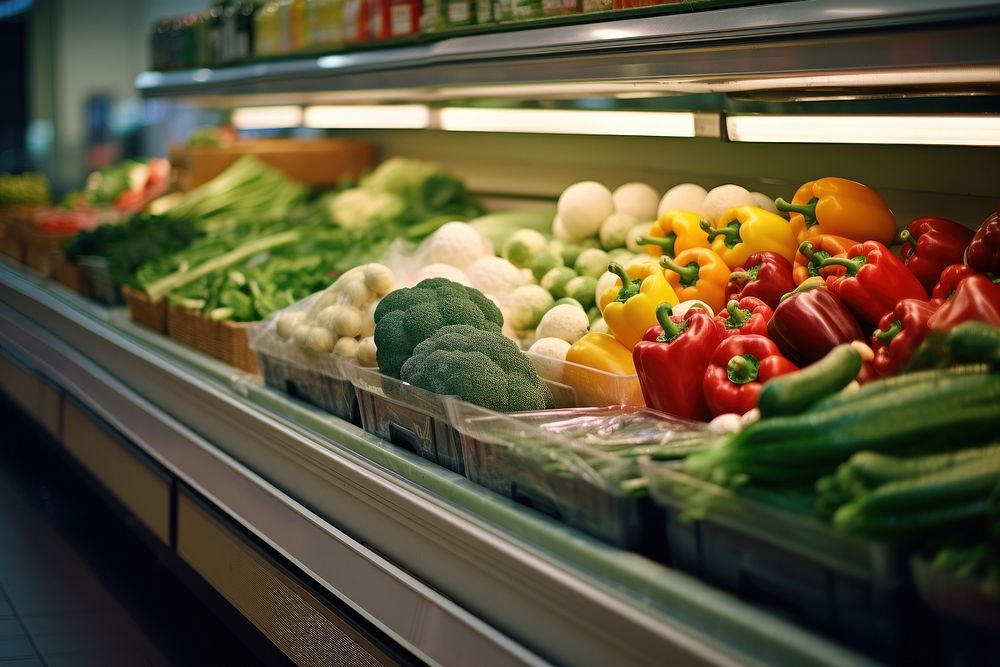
(965, 618)
(850, 588)
(591, 387)
(97, 280)
(414, 418)
(406, 416)
(571, 464)
(315, 378)
(955, 597)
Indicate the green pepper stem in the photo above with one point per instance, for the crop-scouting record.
(689, 274)
(671, 329)
(737, 316)
(665, 243)
(729, 232)
(890, 333)
(806, 286)
(807, 250)
(740, 277)
(742, 368)
(808, 210)
(852, 265)
(906, 237)
(619, 270)
(629, 287)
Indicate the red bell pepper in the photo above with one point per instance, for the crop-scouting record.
(977, 299)
(749, 315)
(740, 366)
(930, 245)
(899, 334)
(950, 278)
(671, 360)
(874, 281)
(984, 249)
(810, 322)
(765, 275)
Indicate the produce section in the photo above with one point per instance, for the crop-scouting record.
(693, 411)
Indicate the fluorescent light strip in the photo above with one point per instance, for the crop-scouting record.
(265, 118)
(856, 129)
(374, 117)
(555, 121)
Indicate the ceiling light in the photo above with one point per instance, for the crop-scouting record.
(264, 118)
(857, 129)
(387, 116)
(557, 121)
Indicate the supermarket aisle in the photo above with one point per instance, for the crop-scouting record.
(76, 587)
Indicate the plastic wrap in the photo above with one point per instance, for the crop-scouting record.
(784, 558)
(413, 418)
(406, 416)
(577, 465)
(957, 597)
(315, 378)
(591, 387)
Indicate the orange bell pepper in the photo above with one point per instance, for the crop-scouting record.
(698, 273)
(838, 206)
(820, 247)
(673, 233)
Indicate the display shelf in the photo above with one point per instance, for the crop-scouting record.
(794, 50)
(393, 536)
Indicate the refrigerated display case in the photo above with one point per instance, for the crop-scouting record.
(334, 541)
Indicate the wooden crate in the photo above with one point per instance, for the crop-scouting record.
(44, 252)
(142, 310)
(226, 341)
(317, 162)
(69, 274)
(13, 221)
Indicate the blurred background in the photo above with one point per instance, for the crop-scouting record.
(67, 69)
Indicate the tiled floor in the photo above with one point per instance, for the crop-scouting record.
(76, 587)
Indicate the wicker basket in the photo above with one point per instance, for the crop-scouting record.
(142, 310)
(43, 252)
(13, 221)
(234, 339)
(69, 274)
(226, 341)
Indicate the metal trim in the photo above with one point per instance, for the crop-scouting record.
(551, 608)
(773, 46)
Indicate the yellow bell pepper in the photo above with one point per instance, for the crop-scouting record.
(748, 229)
(630, 308)
(603, 352)
(673, 233)
(841, 207)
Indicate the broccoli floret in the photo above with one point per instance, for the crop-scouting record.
(408, 316)
(481, 367)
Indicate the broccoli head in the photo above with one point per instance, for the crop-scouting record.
(481, 367)
(410, 315)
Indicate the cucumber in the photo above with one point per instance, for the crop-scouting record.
(975, 342)
(879, 413)
(966, 482)
(786, 449)
(888, 526)
(792, 393)
(879, 387)
(966, 422)
(878, 469)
